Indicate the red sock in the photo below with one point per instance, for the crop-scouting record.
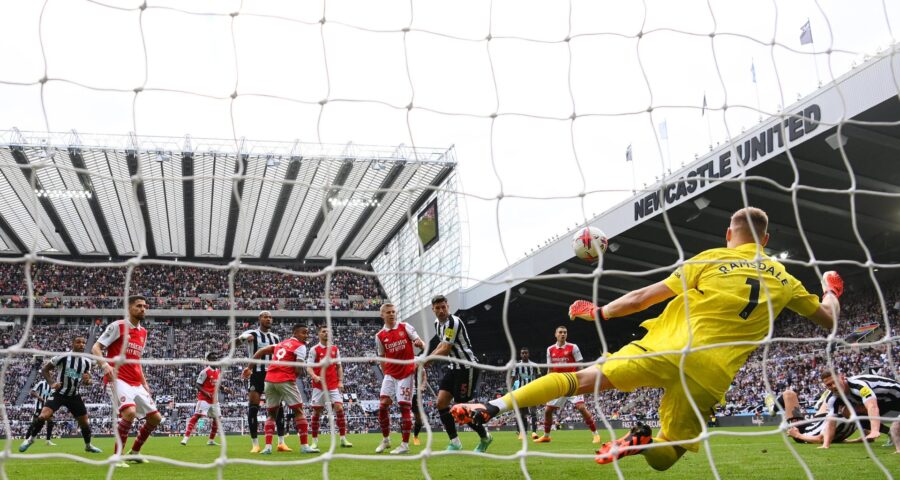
(315, 422)
(405, 421)
(385, 420)
(270, 430)
(191, 424)
(341, 421)
(302, 426)
(548, 421)
(589, 421)
(123, 429)
(142, 436)
(214, 428)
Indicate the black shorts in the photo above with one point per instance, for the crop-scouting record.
(73, 403)
(258, 382)
(461, 383)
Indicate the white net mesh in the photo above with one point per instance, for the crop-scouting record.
(556, 112)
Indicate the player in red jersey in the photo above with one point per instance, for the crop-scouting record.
(281, 384)
(207, 400)
(330, 359)
(127, 385)
(562, 353)
(396, 341)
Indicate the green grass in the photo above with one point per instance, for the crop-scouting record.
(736, 457)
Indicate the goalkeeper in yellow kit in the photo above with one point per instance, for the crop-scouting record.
(723, 301)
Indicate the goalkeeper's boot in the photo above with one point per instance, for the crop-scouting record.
(137, 457)
(346, 443)
(92, 449)
(282, 447)
(24, 446)
(640, 434)
(474, 413)
(543, 439)
(484, 443)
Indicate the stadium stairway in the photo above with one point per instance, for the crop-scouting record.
(26, 388)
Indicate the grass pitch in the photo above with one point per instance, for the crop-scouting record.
(736, 457)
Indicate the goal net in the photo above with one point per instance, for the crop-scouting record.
(510, 126)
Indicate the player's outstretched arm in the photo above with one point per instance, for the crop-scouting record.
(632, 302)
(829, 309)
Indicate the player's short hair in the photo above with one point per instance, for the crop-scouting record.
(825, 373)
(757, 218)
(211, 356)
(298, 327)
(523, 349)
(562, 327)
(438, 299)
(264, 312)
(322, 327)
(385, 305)
(134, 298)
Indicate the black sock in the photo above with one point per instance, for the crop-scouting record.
(36, 425)
(417, 428)
(86, 434)
(252, 420)
(447, 420)
(279, 422)
(479, 429)
(49, 429)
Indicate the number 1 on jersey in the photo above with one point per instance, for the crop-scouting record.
(753, 301)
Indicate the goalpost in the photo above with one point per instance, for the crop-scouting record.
(555, 112)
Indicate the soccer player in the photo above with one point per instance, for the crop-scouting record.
(256, 339)
(395, 341)
(419, 418)
(72, 371)
(877, 396)
(333, 380)
(281, 385)
(524, 373)
(721, 295)
(813, 432)
(207, 401)
(564, 354)
(460, 381)
(127, 385)
(40, 391)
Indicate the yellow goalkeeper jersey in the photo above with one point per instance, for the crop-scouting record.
(724, 295)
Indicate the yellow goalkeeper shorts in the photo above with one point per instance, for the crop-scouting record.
(678, 420)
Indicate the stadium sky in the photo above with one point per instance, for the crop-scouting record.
(455, 80)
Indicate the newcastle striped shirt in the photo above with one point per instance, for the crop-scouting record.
(69, 370)
(42, 389)
(453, 331)
(525, 372)
(257, 339)
(863, 387)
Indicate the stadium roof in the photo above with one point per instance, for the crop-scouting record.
(79, 196)
(840, 208)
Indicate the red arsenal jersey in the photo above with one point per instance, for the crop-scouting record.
(113, 338)
(568, 353)
(397, 343)
(207, 381)
(290, 350)
(317, 355)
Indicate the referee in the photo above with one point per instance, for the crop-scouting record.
(71, 372)
(524, 373)
(460, 380)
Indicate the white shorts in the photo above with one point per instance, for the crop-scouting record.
(317, 399)
(205, 408)
(561, 401)
(125, 395)
(400, 390)
(287, 392)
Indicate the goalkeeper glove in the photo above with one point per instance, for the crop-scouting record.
(584, 310)
(832, 283)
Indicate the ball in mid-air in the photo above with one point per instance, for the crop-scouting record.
(589, 244)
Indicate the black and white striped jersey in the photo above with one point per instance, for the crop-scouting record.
(69, 371)
(525, 372)
(886, 391)
(256, 339)
(42, 389)
(453, 331)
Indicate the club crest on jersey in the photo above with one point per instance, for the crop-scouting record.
(122, 399)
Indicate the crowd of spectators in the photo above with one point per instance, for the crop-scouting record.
(187, 288)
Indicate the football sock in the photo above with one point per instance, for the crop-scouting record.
(314, 427)
(302, 427)
(269, 430)
(479, 429)
(49, 429)
(86, 434)
(548, 421)
(35, 427)
(142, 436)
(384, 420)
(213, 429)
(589, 421)
(405, 421)
(661, 457)
(253, 420)
(341, 421)
(447, 421)
(539, 392)
(190, 426)
(122, 429)
(279, 424)
(417, 427)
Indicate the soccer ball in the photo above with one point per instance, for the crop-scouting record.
(589, 243)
